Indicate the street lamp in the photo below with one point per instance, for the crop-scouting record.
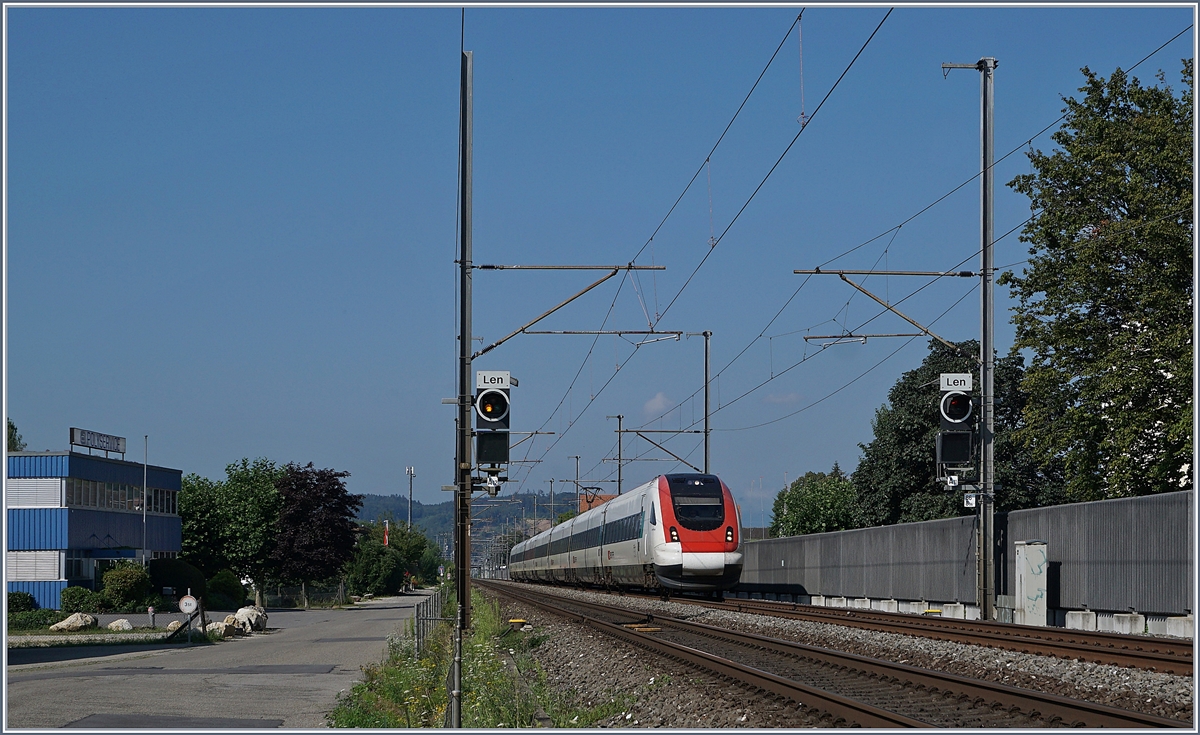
(411, 472)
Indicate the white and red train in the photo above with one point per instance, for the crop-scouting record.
(678, 532)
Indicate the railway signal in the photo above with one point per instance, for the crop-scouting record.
(492, 412)
(956, 410)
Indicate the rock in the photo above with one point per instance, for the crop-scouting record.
(78, 621)
(174, 625)
(226, 630)
(251, 618)
(120, 624)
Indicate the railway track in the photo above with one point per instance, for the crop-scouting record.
(846, 689)
(1143, 652)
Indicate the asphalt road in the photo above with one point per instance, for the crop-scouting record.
(287, 677)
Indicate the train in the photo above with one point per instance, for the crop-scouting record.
(677, 533)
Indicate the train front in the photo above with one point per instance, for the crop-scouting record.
(697, 545)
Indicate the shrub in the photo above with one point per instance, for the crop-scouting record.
(20, 602)
(81, 599)
(35, 619)
(176, 573)
(225, 585)
(125, 584)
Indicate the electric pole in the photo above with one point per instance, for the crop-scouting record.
(987, 573)
(462, 470)
(620, 437)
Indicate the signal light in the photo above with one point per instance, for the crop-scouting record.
(956, 408)
(674, 534)
(491, 407)
(729, 534)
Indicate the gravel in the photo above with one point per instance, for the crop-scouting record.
(577, 658)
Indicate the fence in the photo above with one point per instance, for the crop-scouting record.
(426, 618)
(305, 596)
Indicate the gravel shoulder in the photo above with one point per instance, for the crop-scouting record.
(575, 657)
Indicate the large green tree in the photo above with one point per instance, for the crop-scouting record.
(815, 503)
(896, 478)
(232, 523)
(1105, 303)
(314, 531)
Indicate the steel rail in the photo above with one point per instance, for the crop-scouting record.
(1055, 706)
(1143, 652)
(1052, 707)
(836, 706)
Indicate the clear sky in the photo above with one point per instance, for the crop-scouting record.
(233, 229)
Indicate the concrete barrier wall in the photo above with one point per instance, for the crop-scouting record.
(1110, 555)
(933, 560)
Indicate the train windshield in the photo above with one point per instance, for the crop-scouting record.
(697, 501)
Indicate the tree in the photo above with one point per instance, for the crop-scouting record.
(896, 479)
(231, 524)
(315, 531)
(16, 443)
(380, 569)
(1105, 304)
(815, 503)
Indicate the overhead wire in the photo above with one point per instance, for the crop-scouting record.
(895, 229)
(713, 246)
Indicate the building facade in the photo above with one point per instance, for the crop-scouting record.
(70, 516)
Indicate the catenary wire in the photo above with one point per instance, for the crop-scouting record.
(803, 127)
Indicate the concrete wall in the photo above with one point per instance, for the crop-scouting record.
(1111, 555)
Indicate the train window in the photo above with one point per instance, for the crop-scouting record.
(697, 501)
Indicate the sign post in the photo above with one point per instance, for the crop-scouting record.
(188, 605)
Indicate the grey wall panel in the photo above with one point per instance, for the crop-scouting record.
(1109, 555)
(930, 560)
(1114, 554)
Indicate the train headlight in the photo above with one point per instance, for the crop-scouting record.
(674, 534)
(729, 534)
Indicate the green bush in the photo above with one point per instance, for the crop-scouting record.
(81, 599)
(126, 584)
(178, 574)
(35, 619)
(225, 591)
(20, 602)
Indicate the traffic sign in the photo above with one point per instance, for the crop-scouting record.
(188, 604)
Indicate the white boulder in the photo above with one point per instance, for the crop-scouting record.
(120, 624)
(251, 619)
(78, 621)
(174, 625)
(225, 629)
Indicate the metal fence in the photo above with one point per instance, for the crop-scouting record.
(426, 618)
(1109, 555)
(317, 595)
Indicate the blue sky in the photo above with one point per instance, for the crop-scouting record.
(233, 229)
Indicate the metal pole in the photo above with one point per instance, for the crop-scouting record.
(145, 463)
(551, 481)
(987, 67)
(462, 506)
(620, 438)
(707, 336)
(577, 482)
(412, 472)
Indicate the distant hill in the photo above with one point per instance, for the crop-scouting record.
(438, 518)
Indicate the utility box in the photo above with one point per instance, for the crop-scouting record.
(1032, 567)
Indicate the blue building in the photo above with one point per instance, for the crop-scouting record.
(72, 515)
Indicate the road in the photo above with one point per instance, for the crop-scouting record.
(287, 677)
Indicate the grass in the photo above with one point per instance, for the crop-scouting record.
(407, 691)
